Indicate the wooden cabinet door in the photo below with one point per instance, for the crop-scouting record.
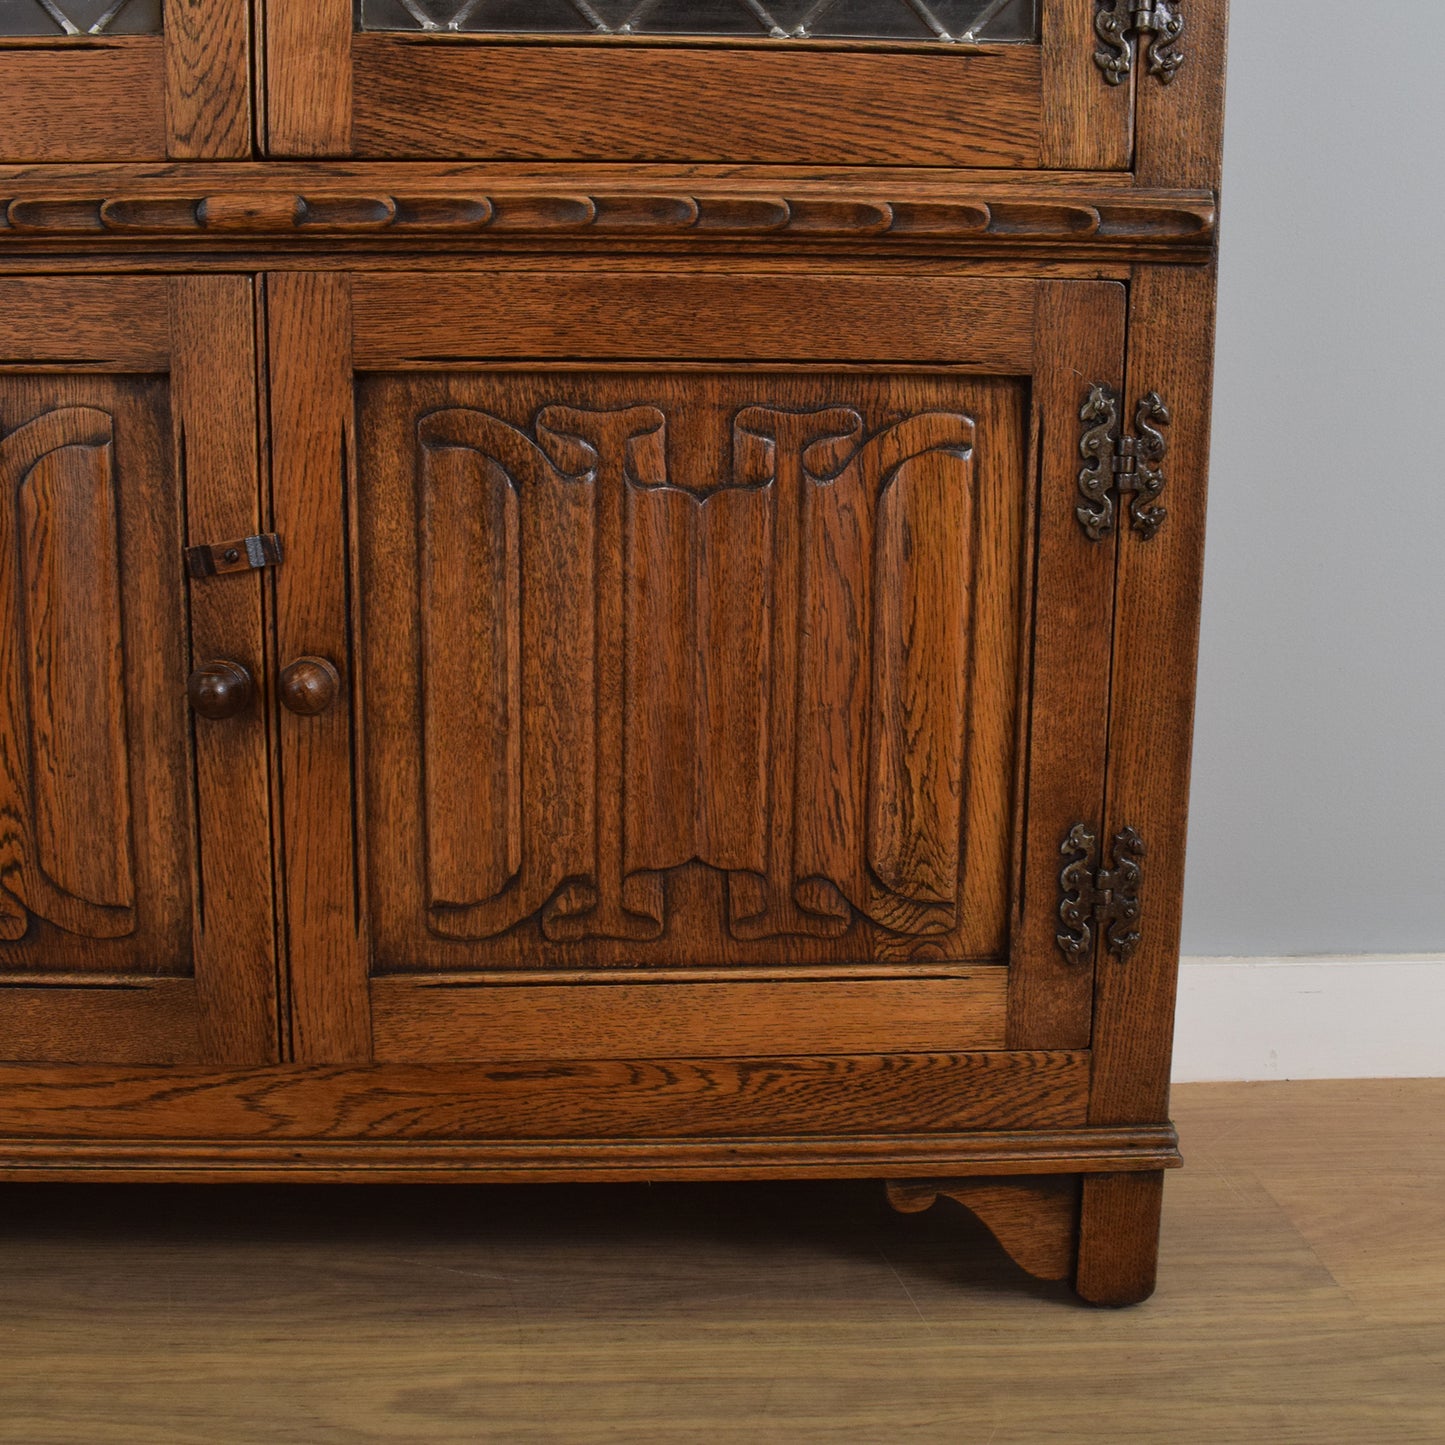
(867, 82)
(135, 877)
(722, 659)
(137, 80)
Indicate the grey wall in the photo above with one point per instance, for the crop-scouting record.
(1319, 774)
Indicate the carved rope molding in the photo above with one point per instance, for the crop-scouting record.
(1183, 220)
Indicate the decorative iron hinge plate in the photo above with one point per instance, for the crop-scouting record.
(1117, 20)
(241, 556)
(1128, 465)
(1099, 893)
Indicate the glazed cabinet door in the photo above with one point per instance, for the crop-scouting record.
(1012, 83)
(662, 659)
(135, 877)
(124, 80)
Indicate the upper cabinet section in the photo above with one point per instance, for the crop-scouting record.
(1021, 84)
(125, 80)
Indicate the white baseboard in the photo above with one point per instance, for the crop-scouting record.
(1352, 1017)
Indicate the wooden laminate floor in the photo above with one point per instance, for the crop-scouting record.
(1302, 1299)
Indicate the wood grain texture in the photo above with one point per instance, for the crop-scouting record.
(310, 408)
(88, 321)
(699, 758)
(1119, 1238)
(1081, 340)
(308, 78)
(92, 663)
(1171, 328)
(617, 1099)
(208, 79)
(1087, 123)
(1181, 125)
(683, 103)
(215, 408)
(104, 100)
(1035, 1219)
(131, 1021)
(663, 316)
(59, 471)
(422, 1021)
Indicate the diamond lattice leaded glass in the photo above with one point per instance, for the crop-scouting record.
(944, 21)
(79, 18)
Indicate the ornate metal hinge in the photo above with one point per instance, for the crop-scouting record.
(1117, 20)
(1095, 893)
(239, 556)
(1129, 465)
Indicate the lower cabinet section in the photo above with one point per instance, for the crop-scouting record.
(569, 722)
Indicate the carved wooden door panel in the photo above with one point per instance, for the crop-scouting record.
(682, 628)
(135, 876)
(972, 83)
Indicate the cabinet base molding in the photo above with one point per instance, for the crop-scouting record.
(329, 1161)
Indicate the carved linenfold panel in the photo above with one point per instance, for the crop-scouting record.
(660, 643)
(854, 545)
(65, 823)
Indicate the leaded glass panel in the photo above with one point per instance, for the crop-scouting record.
(943, 21)
(79, 18)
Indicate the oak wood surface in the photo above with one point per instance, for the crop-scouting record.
(213, 381)
(618, 1099)
(425, 1021)
(90, 1019)
(1171, 329)
(105, 326)
(1181, 125)
(103, 100)
(308, 78)
(943, 680)
(308, 327)
(208, 79)
(1086, 124)
(1034, 1219)
(689, 103)
(1301, 1298)
(663, 316)
(1080, 342)
(483, 764)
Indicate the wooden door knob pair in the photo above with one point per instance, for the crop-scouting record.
(224, 689)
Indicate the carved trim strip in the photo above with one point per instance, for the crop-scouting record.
(1083, 218)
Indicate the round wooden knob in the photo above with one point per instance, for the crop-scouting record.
(220, 689)
(309, 686)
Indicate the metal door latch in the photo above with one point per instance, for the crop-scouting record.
(247, 554)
